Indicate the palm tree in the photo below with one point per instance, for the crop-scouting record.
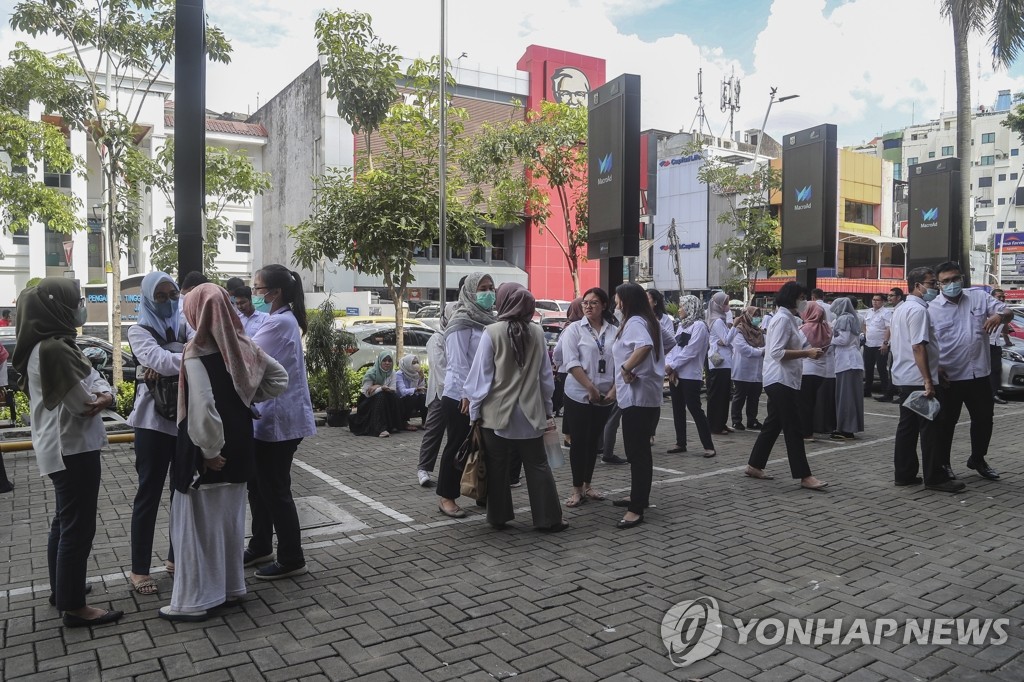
(1004, 22)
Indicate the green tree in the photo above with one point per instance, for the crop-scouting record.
(25, 145)
(512, 164)
(231, 179)
(361, 70)
(374, 220)
(755, 245)
(1003, 20)
(121, 48)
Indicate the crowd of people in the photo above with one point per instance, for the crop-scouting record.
(222, 404)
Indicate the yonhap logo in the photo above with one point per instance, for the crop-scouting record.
(604, 164)
(803, 193)
(692, 630)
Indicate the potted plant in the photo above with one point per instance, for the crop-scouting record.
(327, 351)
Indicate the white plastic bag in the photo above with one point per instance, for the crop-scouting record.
(926, 407)
(553, 446)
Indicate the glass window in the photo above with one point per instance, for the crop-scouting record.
(947, 151)
(1001, 201)
(1014, 152)
(53, 177)
(498, 245)
(95, 242)
(988, 138)
(476, 252)
(912, 161)
(897, 171)
(862, 214)
(985, 181)
(1013, 224)
(988, 160)
(243, 234)
(894, 143)
(931, 155)
(20, 237)
(1002, 177)
(1013, 176)
(980, 225)
(382, 338)
(859, 255)
(999, 225)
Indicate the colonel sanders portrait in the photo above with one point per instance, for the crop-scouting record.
(570, 86)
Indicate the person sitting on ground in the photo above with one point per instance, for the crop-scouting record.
(378, 412)
(412, 390)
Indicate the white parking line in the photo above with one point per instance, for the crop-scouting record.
(352, 492)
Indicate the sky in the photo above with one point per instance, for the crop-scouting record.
(868, 66)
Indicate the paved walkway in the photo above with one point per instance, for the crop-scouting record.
(397, 591)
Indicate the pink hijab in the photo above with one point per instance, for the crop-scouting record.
(816, 327)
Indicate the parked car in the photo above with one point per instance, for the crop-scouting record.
(1013, 367)
(349, 321)
(428, 310)
(99, 352)
(1016, 327)
(372, 339)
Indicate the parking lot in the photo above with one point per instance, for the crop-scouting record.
(397, 591)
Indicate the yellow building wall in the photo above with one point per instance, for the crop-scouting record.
(860, 180)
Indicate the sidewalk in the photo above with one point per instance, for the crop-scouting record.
(397, 591)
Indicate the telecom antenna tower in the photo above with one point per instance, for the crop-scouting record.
(731, 98)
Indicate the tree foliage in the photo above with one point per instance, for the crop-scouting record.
(755, 245)
(361, 70)
(373, 221)
(231, 180)
(512, 164)
(327, 354)
(28, 146)
(121, 49)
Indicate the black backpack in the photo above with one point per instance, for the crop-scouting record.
(163, 389)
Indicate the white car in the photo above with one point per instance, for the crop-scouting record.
(372, 339)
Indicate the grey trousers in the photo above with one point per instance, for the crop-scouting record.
(607, 446)
(433, 435)
(540, 483)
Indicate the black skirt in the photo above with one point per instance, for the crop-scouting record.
(374, 415)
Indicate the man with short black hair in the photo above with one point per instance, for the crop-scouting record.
(963, 320)
(876, 344)
(251, 318)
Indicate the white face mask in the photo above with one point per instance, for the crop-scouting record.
(618, 315)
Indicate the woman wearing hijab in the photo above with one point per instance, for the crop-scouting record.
(434, 427)
(473, 314)
(66, 396)
(157, 350)
(284, 421)
(223, 373)
(639, 381)
(719, 364)
(818, 333)
(747, 359)
(412, 391)
(785, 348)
(509, 389)
(379, 412)
(684, 365)
(849, 371)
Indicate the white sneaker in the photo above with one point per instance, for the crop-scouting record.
(424, 477)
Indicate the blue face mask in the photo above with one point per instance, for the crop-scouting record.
(164, 310)
(259, 302)
(485, 299)
(930, 294)
(953, 289)
(757, 321)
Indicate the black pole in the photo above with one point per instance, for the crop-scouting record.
(611, 273)
(808, 278)
(189, 132)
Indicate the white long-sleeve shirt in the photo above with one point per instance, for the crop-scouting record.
(645, 390)
(846, 346)
(64, 430)
(688, 361)
(747, 361)
(783, 334)
(288, 416)
(721, 342)
(481, 378)
(460, 347)
(581, 349)
(438, 365)
(163, 362)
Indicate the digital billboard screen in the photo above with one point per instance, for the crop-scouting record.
(809, 198)
(934, 222)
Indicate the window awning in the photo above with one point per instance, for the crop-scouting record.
(871, 239)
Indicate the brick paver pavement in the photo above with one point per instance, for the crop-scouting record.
(396, 591)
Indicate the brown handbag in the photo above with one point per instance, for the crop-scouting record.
(474, 471)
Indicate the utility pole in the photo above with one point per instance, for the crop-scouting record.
(673, 237)
(190, 133)
(442, 204)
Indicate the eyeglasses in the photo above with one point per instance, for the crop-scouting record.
(163, 297)
(262, 288)
(590, 304)
(951, 280)
(929, 284)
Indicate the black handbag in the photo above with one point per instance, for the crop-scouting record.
(163, 389)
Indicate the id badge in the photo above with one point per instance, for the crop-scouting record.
(601, 366)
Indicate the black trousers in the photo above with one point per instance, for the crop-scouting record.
(914, 427)
(449, 479)
(637, 428)
(433, 434)
(154, 451)
(976, 394)
(875, 358)
(719, 391)
(271, 503)
(746, 394)
(73, 528)
(586, 423)
(783, 417)
(686, 397)
(809, 386)
(996, 377)
(540, 483)
(413, 405)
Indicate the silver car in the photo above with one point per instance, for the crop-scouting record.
(1013, 368)
(372, 339)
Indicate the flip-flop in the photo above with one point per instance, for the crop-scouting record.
(574, 500)
(760, 474)
(147, 587)
(592, 494)
(821, 486)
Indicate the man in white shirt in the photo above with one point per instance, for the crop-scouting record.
(915, 367)
(876, 344)
(818, 298)
(251, 318)
(963, 320)
(996, 341)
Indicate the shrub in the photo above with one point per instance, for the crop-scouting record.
(124, 401)
(355, 384)
(21, 409)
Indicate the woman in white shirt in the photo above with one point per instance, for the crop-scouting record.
(684, 365)
(509, 389)
(747, 361)
(639, 378)
(589, 388)
(785, 348)
(66, 396)
(849, 371)
(657, 300)
(719, 364)
(474, 312)
(284, 421)
(818, 333)
(157, 347)
(223, 373)
(412, 391)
